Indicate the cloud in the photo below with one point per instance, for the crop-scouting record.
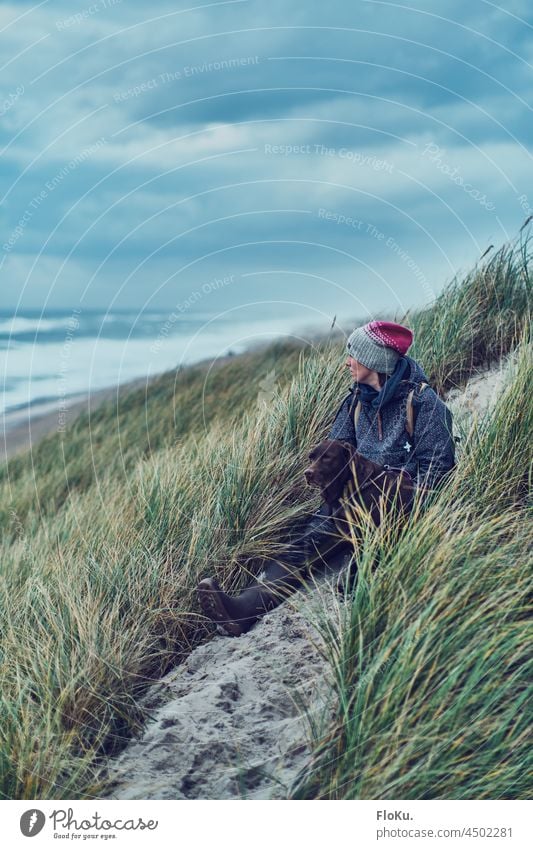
(207, 139)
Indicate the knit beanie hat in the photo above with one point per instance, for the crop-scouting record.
(379, 345)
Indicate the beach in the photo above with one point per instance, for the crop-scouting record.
(57, 366)
(23, 428)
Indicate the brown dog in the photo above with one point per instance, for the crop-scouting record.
(339, 471)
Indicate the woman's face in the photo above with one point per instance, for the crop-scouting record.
(359, 372)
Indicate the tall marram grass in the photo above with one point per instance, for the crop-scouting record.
(475, 319)
(107, 528)
(97, 600)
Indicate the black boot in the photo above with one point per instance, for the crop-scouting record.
(235, 616)
(318, 544)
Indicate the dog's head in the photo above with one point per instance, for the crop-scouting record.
(333, 463)
(329, 467)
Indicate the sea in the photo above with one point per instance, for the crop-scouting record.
(67, 353)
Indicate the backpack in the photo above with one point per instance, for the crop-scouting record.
(410, 416)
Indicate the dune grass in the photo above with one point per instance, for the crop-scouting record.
(476, 317)
(107, 527)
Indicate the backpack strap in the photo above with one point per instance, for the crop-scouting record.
(356, 414)
(355, 408)
(409, 410)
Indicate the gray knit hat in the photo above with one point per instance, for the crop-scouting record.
(379, 345)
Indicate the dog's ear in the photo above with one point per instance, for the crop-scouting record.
(349, 448)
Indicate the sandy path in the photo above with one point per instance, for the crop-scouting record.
(225, 724)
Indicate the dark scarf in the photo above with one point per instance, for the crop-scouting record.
(377, 400)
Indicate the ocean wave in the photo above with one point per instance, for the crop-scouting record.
(19, 324)
(25, 329)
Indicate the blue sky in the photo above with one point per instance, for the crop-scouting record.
(339, 157)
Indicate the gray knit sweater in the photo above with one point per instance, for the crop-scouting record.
(431, 451)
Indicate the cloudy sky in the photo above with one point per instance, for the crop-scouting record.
(349, 155)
